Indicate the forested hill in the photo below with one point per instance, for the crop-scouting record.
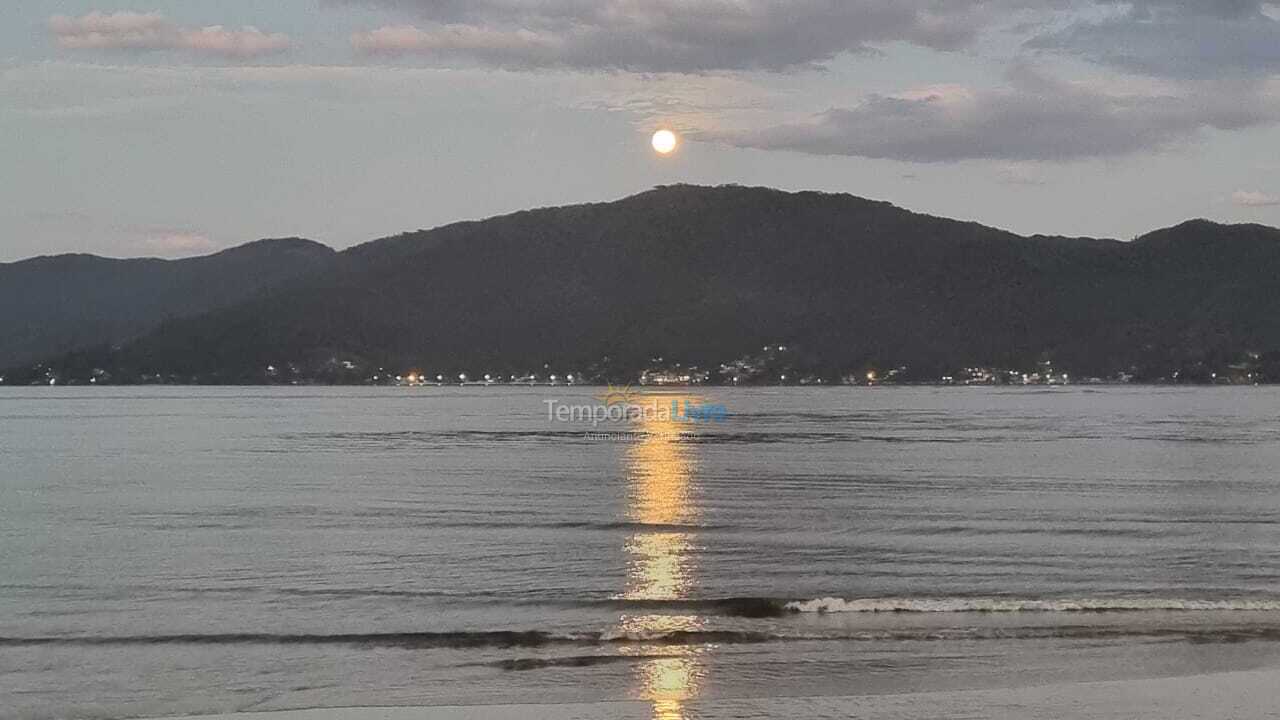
(55, 304)
(703, 275)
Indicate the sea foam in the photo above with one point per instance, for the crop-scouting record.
(1012, 605)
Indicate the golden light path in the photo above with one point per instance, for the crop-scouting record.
(660, 561)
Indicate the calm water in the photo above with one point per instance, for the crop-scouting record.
(170, 550)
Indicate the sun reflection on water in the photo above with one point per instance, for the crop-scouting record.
(670, 683)
(660, 468)
(661, 564)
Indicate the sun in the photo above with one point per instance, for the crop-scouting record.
(665, 142)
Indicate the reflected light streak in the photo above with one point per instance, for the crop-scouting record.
(670, 682)
(659, 566)
(660, 470)
(660, 562)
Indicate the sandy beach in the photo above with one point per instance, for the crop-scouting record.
(1236, 695)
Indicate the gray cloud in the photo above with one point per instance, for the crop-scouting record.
(678, 35)
(1170, 38)
(1254, 199)
(1176, 38)
(1035, 117)
(152, 31)
(174, 243)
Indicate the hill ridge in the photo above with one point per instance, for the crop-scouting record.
(707, 275)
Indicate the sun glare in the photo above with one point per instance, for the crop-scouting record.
(665, 142)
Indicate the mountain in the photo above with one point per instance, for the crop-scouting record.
(56, 304)
(703, 275)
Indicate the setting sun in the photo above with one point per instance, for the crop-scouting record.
(665, 142)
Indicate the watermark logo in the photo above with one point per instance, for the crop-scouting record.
(618, 395)
(626, 405)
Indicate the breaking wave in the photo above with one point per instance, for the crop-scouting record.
(536, 640)
(408, 640)
(1013, 605)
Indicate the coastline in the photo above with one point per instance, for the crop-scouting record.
(1241, 695)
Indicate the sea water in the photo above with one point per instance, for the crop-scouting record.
(169, 551)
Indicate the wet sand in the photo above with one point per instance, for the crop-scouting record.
(1236, 695)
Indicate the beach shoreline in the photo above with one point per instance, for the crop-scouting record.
(1241, 695)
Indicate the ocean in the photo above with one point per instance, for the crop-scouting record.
(948, 552)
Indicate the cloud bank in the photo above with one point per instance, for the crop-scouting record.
(1176, 38)
(1191, 65)
(152, 31)
(1035, 117)
(678, 35)
(1167, 38)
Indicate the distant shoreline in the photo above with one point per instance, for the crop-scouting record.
(653, 388)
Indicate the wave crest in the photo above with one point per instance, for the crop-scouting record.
(1014, 605)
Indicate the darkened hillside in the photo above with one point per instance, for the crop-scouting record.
(706, 274)
(60, 303)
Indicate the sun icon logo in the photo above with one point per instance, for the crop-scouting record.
(615, 395)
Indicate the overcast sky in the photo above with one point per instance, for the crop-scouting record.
(175, 128)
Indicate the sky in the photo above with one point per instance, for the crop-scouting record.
(174, 128)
